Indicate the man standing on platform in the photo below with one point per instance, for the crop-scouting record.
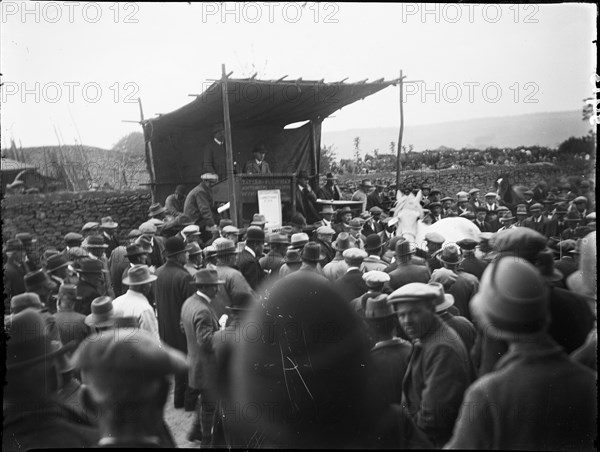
(214, 154)
(199, 205)
(364, 189)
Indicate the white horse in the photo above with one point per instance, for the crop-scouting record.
(409, 213)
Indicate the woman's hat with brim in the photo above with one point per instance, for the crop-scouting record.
(29, 343)
(139, 275)
(512, 301)
(103, 313)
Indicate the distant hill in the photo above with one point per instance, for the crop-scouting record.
(542, 129)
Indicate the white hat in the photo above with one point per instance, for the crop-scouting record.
(354, 254)
(147, 228)
(375, 277)
(230, 229)
(209, 176)
(325, 230)
(192, 229)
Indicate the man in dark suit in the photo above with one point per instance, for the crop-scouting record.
(373, 225)
(537, 221)
(14, 271)
(173, 286)
(406, 271)
(436, 211)
(199, 205)
(375, 198)
(480, 214)
(214, 155)
(248, 259)
(200, 322)
(71, 325)
(351, 284)
(109, 227)
(306, 199)
(258, 165)
(331, 190)
(91, 284)
(344, 215)
(471, 264)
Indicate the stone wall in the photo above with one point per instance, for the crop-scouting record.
(50, 216)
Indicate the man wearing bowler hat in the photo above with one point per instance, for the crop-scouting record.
(134, 303)
(364, 189)
(248, 259)
(374, 248)
(33, 415)
(258, 165)
(126, 376)
(200, 322)
(173, 286)
(57, 268)
(311, 255)
(513, 306)
(330, 191)
(438, 371)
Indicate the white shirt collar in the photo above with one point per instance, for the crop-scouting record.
(201, 295)
(218, 142)
(250, 250)
(352, 268)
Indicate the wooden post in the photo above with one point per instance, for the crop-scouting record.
(399, 152)
(315, 151)
(229, 149)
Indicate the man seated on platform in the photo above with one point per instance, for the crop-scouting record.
(214, 153)
(258, 165)
(331, 190)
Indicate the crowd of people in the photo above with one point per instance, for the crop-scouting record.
(330, 332)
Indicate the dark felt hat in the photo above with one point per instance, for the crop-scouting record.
(373, 242)
(56, 261)
(38, 278)
(175, 245)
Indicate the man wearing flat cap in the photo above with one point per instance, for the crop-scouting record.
(127, 381)
(199, 205)
(258, 165)
(523, 390)
(33, 415)
(537, 221)
(200, 322)
(438, 372)
(471, 264)
(373, 225)
(174, 286)
(351, 283)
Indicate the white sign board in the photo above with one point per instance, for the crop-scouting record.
(269, 205)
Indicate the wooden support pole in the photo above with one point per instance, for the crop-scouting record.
(231, 180)
(315, 151)
(398, 163)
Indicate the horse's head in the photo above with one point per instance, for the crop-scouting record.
(408, 211)
(502, 185)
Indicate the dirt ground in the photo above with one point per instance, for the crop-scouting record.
(180, 423)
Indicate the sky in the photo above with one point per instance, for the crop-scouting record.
(72, 71)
